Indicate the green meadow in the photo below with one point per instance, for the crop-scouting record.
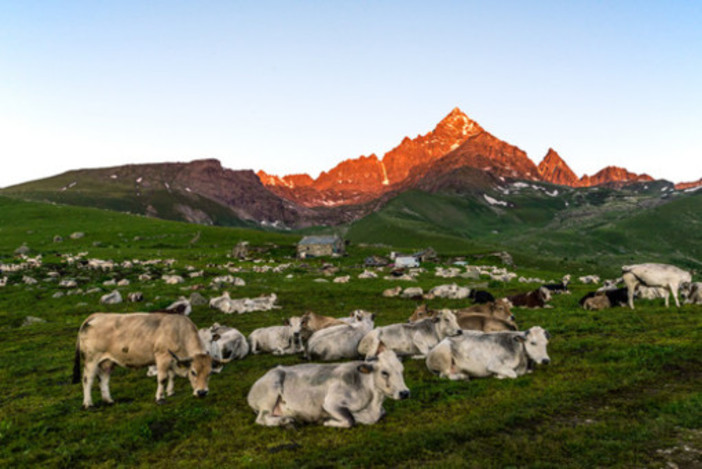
(624, 388)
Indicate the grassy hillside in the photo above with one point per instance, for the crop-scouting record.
(598, 227)
(623, 389)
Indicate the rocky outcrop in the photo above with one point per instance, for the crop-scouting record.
(681, 186)
(613, 174)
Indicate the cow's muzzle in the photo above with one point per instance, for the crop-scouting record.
(545, 361)
(458, 332)
(201, 393)
(405, 394)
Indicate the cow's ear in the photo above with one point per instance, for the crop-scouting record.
(547, 334)
(381, 348)
(217, 366)
(286, 321)
(365, 368)
(520, 338)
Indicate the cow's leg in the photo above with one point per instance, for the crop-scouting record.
(631, 282)
(500, 370)
(169, 386)
(674, 292)
(104, 371)
(339, 415)
(163, 364)
(89, 372)
(422, 346)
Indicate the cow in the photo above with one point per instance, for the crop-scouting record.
(533, 299)
(481, 296)
(337, 394)
(136, 340)
(559, 287)
(651, 293)
(500, 309)
(279, 340)
(337, 342)
(224, 342)
(479, 354)
(597, 302)
(180, 306)
(484, 323)
(413, 339)
(313, 322)
(615, 297)
(655, 275)
(693, 295)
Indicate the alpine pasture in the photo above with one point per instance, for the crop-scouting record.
(622, 389)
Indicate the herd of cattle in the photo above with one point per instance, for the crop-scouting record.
(477, 341)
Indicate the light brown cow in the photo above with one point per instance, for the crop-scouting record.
(597, 302)
(484, 323)
(313, 322)
(498, 309)
(135, 340)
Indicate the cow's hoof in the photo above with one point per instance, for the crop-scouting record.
(160, 401)
(86, 406)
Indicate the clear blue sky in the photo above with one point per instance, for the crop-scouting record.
(298, 86)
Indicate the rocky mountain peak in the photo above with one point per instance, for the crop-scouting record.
(554, 170)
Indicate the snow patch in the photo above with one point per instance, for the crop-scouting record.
(693, 189)
(113, 176)
(551, 194)
(492, 201)
(188, 189)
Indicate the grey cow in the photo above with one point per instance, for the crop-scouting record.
(337, 342)
(279, 340)
(414, 339)
(337, 394)
(481, 354)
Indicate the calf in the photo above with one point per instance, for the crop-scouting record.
(615, 297)
(414, 339)
(337, 342)
(533, 299)
(136, 340)
(655, 275)
(337, 394)
(597, 302)
(479, 354)
(279, 340)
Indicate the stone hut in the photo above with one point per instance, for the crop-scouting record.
(319, 246)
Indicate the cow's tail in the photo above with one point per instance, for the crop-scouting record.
(76, 364)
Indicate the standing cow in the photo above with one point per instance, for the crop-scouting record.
(655, 275)
(137, 340)
(339, 394)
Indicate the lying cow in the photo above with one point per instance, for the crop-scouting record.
(561, 287)
(655, 275)
(278, 340)
(651, 293)
(484, 323)
(534, 299)
(313, 322)
(337, 342)
(693, 295)
(413, 339)
(136, 340)
(500, 309)
(481, 296)
(337, 394)
(224, 342)
(479, 354)
(615, 297)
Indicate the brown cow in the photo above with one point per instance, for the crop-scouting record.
(499, 309)
(534, 299)
(313, 322)
(484, 323)
(135, 340)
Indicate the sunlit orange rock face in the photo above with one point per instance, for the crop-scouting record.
(613, 174)
(688, 185)
(456, 142)
(556, 171)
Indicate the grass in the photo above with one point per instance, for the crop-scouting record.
(622, 387)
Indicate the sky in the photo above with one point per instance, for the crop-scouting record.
(298, 86)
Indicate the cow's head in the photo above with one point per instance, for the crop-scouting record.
(295, 325)
(421, 313)
(363, 316)
(198, 369)
(544, 294)
(535, 341)
(387, 370)
(501, 309)
(446, 324)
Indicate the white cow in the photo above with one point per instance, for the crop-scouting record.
(655, 275)
(480, 354)
(279, 340)
(694, 294)
(224, 342)
(413, 338)
(337, 342)
(338, 394)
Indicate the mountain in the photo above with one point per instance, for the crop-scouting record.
(456, 141)
(688, 185)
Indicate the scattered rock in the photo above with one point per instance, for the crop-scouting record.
(77, 235)
(123, 283)
(412, 292)
(58, 294)
(29, 280)
(343, 279)
(197, 299)
(392, 292)
(58, 239)
(68, 283)
(29, 320)
(172, 279)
